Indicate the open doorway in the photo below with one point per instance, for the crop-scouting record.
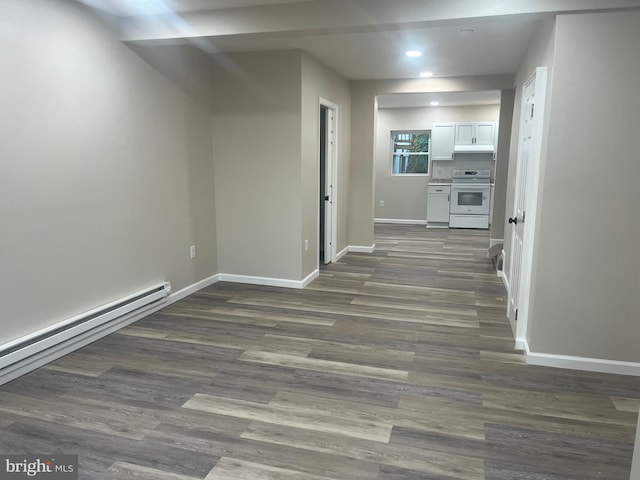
(327, 199)
(447, 118)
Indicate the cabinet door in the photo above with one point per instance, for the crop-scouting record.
(442, 141)
(465, 133)
(438, 204)
(485, 133)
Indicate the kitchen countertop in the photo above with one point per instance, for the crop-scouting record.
(440, 181)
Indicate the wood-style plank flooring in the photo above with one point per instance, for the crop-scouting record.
(393, 365)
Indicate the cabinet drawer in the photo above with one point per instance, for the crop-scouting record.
(431, 189)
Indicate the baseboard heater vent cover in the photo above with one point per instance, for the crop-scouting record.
(32, 351)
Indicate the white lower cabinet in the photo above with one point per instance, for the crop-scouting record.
(438, 198)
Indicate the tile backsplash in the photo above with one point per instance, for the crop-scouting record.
(442, 169)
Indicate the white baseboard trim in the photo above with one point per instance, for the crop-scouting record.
(361, 249)
(267, 281)
(248, 279)
(310, 278)
(193, 288)
(400, 221)
(581, 363)
(505, 280)
(495, 241)
(438, 225)
(342, 253)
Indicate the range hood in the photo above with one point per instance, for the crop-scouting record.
(473, 148)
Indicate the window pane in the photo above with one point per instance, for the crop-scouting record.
(417, 164)
(410, 152)
(421, 143)
(410, 164)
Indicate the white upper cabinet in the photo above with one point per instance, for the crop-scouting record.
(442, 140)
(485, 133)
(465, 133)
(479, 133)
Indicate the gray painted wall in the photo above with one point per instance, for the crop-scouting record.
(405, 197)
(587, 271)
(107, 172)
(257, 157)
(320, 82)
(266, 151)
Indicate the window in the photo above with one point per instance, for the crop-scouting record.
(410, 152)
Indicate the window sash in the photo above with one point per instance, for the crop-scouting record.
(406, 161)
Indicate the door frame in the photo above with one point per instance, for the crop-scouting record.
(539, 76)
(332, 158)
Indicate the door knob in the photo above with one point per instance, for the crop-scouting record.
(513, 220)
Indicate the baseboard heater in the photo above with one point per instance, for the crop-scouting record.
(32, 351)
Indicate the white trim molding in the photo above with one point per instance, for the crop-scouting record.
(503, 276)
(581, 363)
(268, 281)
(193, 288)
(400, 221)
(334, 150)
(310, 278)
(342, 253)
(362, 249)
(496, 241)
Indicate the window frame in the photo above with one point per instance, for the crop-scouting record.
(392, 141)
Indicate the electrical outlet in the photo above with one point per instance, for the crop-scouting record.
(192, 251)
(382, 203)
(306, 244)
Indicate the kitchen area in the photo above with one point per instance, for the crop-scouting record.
(460, 188)
(453, 189)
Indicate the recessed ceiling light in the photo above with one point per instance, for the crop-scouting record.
(435, 103)
(466, 32)
(426, 74)
(413, 53)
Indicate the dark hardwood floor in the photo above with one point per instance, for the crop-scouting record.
(393, 365)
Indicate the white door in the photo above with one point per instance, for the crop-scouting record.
(328, 210)
(523, 219)
(327, 221)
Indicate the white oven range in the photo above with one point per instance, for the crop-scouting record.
(470, 199)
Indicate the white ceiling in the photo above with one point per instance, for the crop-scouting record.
(360, 39)
(125, 8)
(495, 48)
